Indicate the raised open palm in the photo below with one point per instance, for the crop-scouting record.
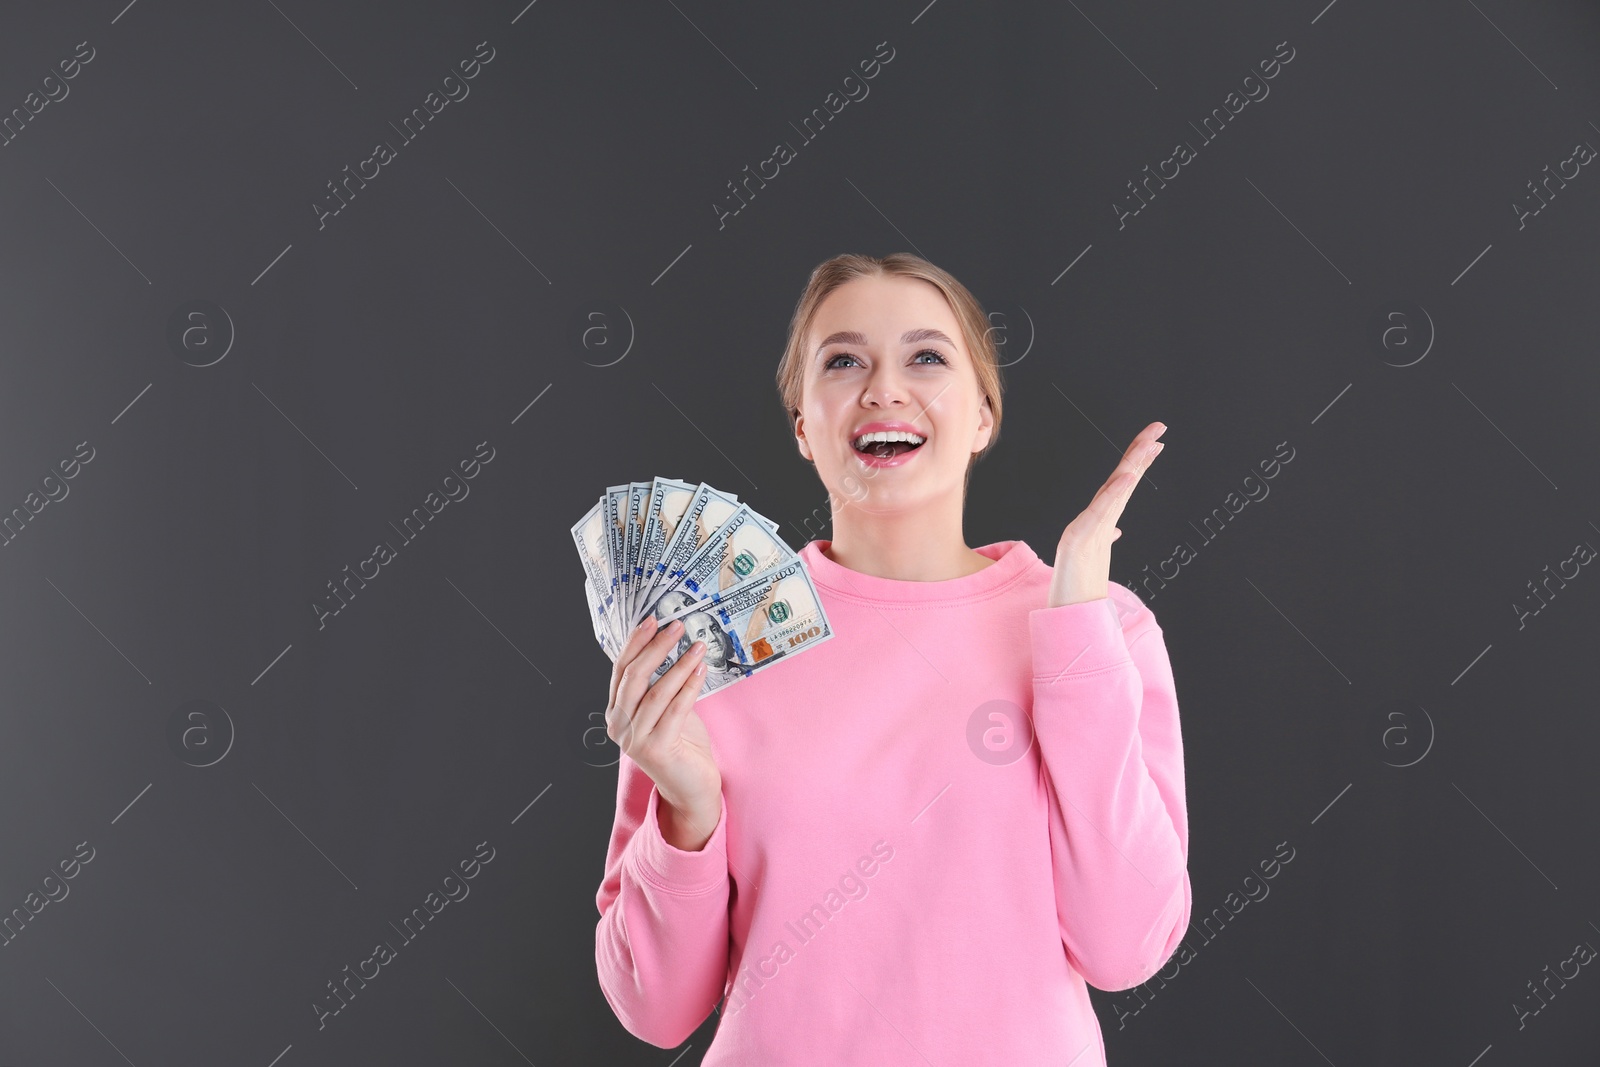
(1083, 556)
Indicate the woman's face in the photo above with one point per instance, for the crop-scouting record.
(889, 349)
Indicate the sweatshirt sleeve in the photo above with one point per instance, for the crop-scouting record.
(1105, 714)
(661, 946)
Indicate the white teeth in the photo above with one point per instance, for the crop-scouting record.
(889, 435)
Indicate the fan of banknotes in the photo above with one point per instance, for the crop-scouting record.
(677, 550)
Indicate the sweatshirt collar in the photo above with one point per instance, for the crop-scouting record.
(1012, 560)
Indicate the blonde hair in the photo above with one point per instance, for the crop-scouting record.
(831, 274)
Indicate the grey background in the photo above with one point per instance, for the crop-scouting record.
(1359, 617)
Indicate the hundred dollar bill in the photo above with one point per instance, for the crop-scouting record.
(637, 500)
(602, 624)
(752, 626)
(589, 534)
(737, 550)
(705, 513)
(614, 512)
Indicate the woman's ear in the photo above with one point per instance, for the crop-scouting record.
(800, 437)
(985, 426)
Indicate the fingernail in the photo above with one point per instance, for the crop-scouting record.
(698, 648)
(648, 624)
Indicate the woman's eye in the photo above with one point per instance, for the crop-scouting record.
(935, 354)
(843, 355)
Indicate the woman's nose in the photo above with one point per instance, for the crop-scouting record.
(884, 389)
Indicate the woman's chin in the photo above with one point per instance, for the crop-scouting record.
(881, 499)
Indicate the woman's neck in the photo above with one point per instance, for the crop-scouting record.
(918, 546)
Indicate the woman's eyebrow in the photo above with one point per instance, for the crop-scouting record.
(856, 337)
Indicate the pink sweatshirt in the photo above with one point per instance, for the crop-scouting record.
(937, 827)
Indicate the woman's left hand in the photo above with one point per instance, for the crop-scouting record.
(1083, 556)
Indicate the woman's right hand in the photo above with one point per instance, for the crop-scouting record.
(655, 724)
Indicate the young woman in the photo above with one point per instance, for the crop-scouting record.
(918, 842)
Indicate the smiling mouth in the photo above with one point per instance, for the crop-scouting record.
(898, 444)
(887, 449)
